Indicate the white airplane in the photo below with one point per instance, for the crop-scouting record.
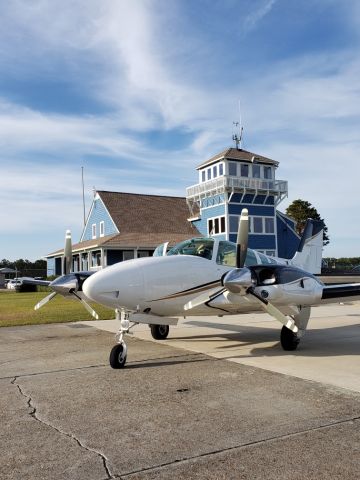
(205, 276)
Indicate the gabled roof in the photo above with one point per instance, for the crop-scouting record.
(238, 154)
(138, 213)
(144, 221)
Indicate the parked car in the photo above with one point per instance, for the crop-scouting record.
(13, 283)
(356, 269)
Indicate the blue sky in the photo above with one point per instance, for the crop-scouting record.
(139, 93)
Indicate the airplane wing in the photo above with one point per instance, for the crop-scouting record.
(340, 292)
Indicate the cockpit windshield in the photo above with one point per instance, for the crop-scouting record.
(200, 247)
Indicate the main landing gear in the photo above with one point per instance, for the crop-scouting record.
(159, 332)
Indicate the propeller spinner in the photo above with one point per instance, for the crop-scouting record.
(68, 284)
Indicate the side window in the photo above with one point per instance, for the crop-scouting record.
(93, 230)
(102, 229)
(267, 173)
(256, 171)
(232, 169)
(250, 258)
(215, 171)
(257, 224)
(244, 170)
(226, 254)
(269, 225)
(209, 173)
(221, 169)
(203, 176)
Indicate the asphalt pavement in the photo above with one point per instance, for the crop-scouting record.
(171, 413)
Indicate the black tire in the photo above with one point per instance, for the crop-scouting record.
(117, 357)
(159, 332)
(288, 339)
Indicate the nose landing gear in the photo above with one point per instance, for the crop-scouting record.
(118, 353)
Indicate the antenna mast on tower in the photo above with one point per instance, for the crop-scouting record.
(237, 136)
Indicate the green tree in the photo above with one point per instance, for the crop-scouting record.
(300, 211)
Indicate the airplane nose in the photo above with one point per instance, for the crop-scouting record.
(115, 286)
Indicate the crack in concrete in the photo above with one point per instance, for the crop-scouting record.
(185, 460)
(34, 414)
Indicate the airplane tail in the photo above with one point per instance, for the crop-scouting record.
(309, 252)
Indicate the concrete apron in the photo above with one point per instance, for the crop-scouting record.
(329, 353)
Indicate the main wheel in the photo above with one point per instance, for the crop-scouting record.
(117, 357)
(159, 332)
(288, 339)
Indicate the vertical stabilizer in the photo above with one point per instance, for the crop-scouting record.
(309, 252)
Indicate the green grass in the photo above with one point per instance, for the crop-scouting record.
(18, 309)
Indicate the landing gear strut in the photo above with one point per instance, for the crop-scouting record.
(118, 353)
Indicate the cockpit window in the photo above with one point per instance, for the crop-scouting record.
(200, 247)
(226, 254)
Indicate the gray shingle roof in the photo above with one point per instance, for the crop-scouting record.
(239, 155)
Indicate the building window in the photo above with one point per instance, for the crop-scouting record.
(269, 225)
(267, 173)
(244, 169)
(257, 225)
(256, 171)
(128, 254)
(96, 259)
(216, 225)
(93, 230)
(232, 169)
(221, 169)
(102, 229)
(203, 176)
(215, 171)
(209, 174)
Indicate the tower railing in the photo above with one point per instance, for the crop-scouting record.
(231, 184)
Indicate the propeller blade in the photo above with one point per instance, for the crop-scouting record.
(275, 312)
(242, 238)
(202, 299)
(67, 253)
(87, 306)
(44, 300)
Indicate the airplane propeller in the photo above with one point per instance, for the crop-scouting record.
(240, 281)
(68, 284)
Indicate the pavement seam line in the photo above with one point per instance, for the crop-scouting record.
(237, 447)
(34, 414)
(100, 365)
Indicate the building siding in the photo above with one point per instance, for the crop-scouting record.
(99, 214)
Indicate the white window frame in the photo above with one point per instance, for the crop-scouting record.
(221, 165)
(213, 219)
(93, 230)
(236, 169)
(102, 229)
(251, 224)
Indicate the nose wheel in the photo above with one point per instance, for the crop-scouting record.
(118, 354)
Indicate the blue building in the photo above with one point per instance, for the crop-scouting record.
(121, 226)
(235, 179)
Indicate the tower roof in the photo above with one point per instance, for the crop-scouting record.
(238, 155)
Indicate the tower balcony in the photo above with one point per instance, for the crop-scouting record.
(230, 184)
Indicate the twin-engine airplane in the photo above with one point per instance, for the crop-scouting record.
(206, 276)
